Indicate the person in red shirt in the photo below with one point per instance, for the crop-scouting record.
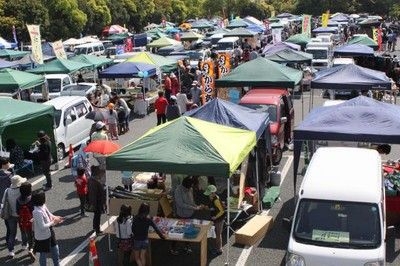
(174, 84)
(81, 184)
(167, 86)
(161, 106)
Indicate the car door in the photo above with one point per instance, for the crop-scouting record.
(282, 124)
(289, 109)
(71, 131)
(82, 124)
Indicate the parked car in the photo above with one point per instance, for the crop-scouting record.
(164, 51)
(79, 89)
(279, 105)
(72, 126)
(55, 83)
(93, 48)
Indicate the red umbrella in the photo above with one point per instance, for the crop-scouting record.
(102, 146)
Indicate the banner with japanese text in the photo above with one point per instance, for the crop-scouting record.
(325, 19)
(276, 35)
(34, 33)
(306, 25)
(224, 64)
(58, 49)
(207, 80)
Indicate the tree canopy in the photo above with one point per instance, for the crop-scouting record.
(72, 18)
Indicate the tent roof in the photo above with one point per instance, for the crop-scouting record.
(5, 63)
(12, 80)
(351, 77)
(186, 146)
(261, 72)
(230, 114)
(340, 17)
(127, 70)
(253, 20)
(240, 32)
(256, 28)
(325, 29)
(59, 66)
(284, 15)
(363, 39)
(163, 41)
(190, 36)
(270, 48)
(289, 55)
(237, 23)
(11, 54)
(93, 60)
(16, 111)
(166, 64)
(8, 45)
(355, 49)
(201, 24)
(300, 39)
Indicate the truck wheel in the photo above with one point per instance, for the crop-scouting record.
(276, 159)
(60, 151)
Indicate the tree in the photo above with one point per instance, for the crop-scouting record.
(144, 10)
(97, 13)
(121, 11)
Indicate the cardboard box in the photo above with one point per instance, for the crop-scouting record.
(254, 230)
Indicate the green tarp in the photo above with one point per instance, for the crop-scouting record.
(186, 146)
(261, 72)
(190, 36)
(12, 54)
(22, 120)
(363, 39)
(12, 80)
(93, 60)
(237, 23)
(162, 42)
(289, 56)
(300, 39)
(240, 32)
(59, 66)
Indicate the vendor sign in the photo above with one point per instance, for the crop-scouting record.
(34, 33)
(58, 49)
(306, 25)
(224, 64)
(207, 80)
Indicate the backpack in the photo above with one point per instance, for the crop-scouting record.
(25, 218)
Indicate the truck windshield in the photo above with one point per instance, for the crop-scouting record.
(54, 85)
(338, 224)
(270, 108)
(318, 54)
(223, 46)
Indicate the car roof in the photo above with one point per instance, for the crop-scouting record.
(90, 44)
(62, 101)
(228, 39)
(263, 96)
(348, 174)
(55, 76)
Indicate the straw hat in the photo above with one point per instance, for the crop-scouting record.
(210, 189)
(17, 180)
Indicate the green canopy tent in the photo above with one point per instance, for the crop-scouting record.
(155, 33)
(59, 66)
(240, 32)
(289, 56)
(300, 39)
(13, 80)
(162, 42)
(92, 60)
(191, 36)
(12, 54)
(165, 64)
(22, 120)
(363, 39)
(237, 23)
(261, 72)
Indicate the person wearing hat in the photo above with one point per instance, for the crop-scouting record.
(44, 155)
(112, 121)
(167, 86)
(11, 195)
(100, 133)
(173, 110)
(217, 216)
(195, 91)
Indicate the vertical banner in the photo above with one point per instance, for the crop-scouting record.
(58, 49)
(380, 39)
(272, 13)
(306, 25)
(276, 35)
(14, 33)
(325, 19)
(207, 80)
(224, 64)
(128, 45)
(34, 33)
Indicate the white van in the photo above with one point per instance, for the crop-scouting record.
(55, 83)
(93, 48)
(340, 213)
(227, 44)
(72, 126)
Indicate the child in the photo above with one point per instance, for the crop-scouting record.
(112, 121)
(123, 230)
(127, 180)
(140, 229)
(217, 216)
(121, 120)
(81, 184)
(24, 210)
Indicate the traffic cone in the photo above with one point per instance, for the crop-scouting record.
(93, 258)
(70, 156)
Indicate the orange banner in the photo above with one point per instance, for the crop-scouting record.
(207, 80)
(224, 64)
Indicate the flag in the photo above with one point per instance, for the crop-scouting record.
(325, 19)
(14, 33)
(58, 49)
(224, 64)
(306, 25)
(207, 80)
(34, 33)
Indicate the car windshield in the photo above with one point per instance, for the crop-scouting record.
(222, 46)
(54, 85)
(78, 87)
(338, 224)
(270, 108)
(57, 117)
(318, 54)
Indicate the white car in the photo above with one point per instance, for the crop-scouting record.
(79, 89)
(72, 126)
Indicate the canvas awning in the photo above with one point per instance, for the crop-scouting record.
(12, 80)
(59, 66)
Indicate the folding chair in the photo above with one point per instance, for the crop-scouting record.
(27, 164)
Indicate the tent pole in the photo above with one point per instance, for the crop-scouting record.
(258, 183)
(108, 214)
(302, 103)
(310, 102)
(228, 221)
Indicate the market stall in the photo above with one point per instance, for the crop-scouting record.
(187, 146)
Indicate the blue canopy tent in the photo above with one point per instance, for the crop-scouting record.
(8, 64)
(128, 70)
(230, 114)
(256, 28)
(355, 49)
(350, 77)
(273, 48)
(360, 119)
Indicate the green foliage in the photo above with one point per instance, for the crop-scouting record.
(395, 11)
(98, 15)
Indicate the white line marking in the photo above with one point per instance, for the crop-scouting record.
(40, 179)
(85, 243)
(247, 250)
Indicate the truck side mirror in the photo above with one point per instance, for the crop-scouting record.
(287, 223)
(283, 119)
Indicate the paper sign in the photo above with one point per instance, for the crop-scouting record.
(331, 236)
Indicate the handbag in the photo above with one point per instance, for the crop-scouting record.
(6, 210)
